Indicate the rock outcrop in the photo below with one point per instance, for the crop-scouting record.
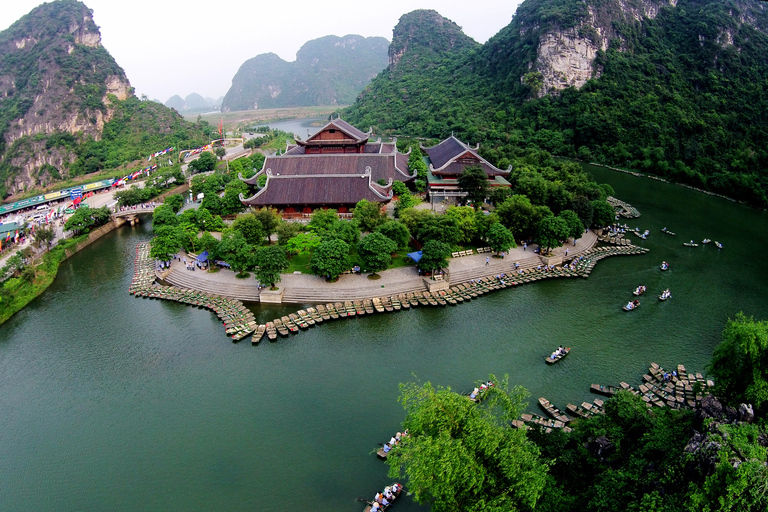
(55, 78)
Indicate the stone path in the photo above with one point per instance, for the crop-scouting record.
(307, 288)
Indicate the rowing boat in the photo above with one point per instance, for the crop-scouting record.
(553, 360)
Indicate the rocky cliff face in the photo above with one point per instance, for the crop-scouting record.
(565, 55)
(55, 77)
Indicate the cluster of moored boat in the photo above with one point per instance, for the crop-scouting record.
(660, 388)
(677, 388)
(238, 321)
(626, 210)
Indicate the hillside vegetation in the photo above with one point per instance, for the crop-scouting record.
(680, 94)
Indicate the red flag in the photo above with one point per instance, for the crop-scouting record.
(221, 127)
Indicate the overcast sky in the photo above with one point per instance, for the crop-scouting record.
(169, 47)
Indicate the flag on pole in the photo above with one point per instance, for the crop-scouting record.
(16, 239)
(221, 127)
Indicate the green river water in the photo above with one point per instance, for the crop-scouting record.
(115, 403)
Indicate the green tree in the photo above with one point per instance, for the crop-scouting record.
(500, 238)
(251, 228)
(474, 182)
(395, 231)
(80, 222)
(467, 221)
(399, 188)
(575, 227)
(405, 202)
(344, 230)
(434, 256)
(220, 152)
(230, 203)
(303, 242)
(44, 236)
(368, 215)
(331, 259)
(550, 233)
(166, 243)
(603, 213)
(287, 230)
(205, 163)
(462, 456)
(164, 216)
(175, 201)
(235, 250)
(375, 250)
(740, 363)
(271, 261)
(269, 218)
(323, 220)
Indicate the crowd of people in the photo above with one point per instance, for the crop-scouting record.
(394, 441)
(480, 389)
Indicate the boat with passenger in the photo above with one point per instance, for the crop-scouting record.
(386, 448)
(665, 230)
(479, 392)
(718, 244)
(665, 295)
(639, 290)
(557, 354)
(632, 305)
(690, 244)
(664, 265)
(383, 500)
(706, 241)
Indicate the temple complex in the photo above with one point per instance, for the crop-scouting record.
(448, 161)
(334, 168)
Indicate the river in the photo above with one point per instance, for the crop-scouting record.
(111, 402)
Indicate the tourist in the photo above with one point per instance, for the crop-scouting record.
(375, 507)
(387, 447)
(487, 260)
(474, 393)
(393, 441)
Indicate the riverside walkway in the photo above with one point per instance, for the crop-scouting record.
(308, 289)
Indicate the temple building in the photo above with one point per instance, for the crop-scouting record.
(334, 168)
(448, 161)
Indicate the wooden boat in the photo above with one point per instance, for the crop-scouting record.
(315, 315)
(377, 304)
(639, 291)
(289, 324)
(706, 241)
(258, 334)
(603, 390)
(368, 305)
(271, 331)
(664, 266)
(341, 310)
(283, 330)
(350, 308)
(404, 302)
(387, 304)
(306, 317)
(663, 298)
(323, 312)
(690, 244)
(553, 411)
(577, 410)
(359, 308)
(718, 244)
(413, 300)
(293, 317)
(551, 360)
(665, 230)
(332, 312)
(395, 302)
(634, 307)
(370, 503)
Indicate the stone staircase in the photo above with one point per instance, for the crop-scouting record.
(247, 291)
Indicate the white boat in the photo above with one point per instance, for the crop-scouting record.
(706, 241)
(718, 244)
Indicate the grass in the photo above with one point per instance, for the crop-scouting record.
(17, 292)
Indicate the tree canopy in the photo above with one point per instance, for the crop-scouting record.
(330, 259)
(375, 250)
(271, 261)
(463, 456)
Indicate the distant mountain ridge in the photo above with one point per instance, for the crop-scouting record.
(193, 102)
(66, 106)
(669, 87)
(330, 70)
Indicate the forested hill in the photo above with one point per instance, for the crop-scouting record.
(66, 106)
(674, 88)
(330, 70)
